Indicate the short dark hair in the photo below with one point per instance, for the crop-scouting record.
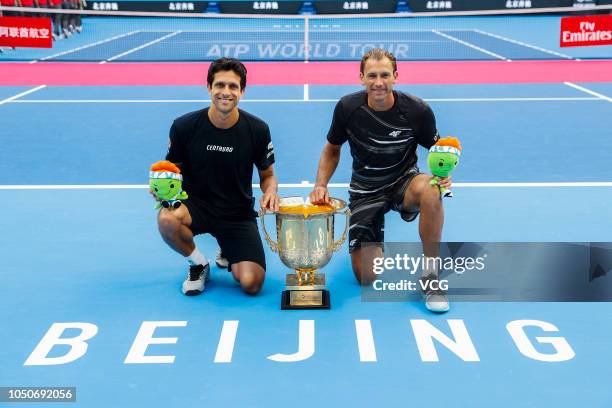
(227, 64)
(378, 54)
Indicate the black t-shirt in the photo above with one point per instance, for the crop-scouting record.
(217, 164)
(383, 144)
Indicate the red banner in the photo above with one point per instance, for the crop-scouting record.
(586, 30)
(25, 32)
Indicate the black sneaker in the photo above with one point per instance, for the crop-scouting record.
(196, 278)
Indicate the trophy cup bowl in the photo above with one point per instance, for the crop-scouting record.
(305, 243)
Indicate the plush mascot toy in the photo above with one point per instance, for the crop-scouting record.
(166, 181)
(443, 158)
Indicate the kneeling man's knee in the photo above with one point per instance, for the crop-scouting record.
(167, 223)
(251, 281)
(363, 274)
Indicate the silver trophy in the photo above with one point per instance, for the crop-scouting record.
(305, 236)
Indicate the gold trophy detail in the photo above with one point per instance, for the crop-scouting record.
(305, 235)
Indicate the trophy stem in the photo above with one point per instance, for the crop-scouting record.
(305, 276)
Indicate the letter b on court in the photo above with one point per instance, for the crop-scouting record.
(78, 344)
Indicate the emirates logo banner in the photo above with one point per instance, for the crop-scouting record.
(586, 30)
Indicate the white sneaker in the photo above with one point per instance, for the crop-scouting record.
(435, 300)
(220, 260)
(196, 278)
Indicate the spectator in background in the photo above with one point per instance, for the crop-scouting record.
(42, 4)
(57, 19)
(71, 23)
(6, 13)
(10, 3)
(78, 24)
(67, 18)
(27, 3)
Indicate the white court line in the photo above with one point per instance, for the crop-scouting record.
(467, 44)
(306, 93)
(499, 37)
(325, 30)
(87, 46)
(535, 99)
(14, 97)
(316, 42)
(123, 54)
(538, 184)
(517, 99)
(303, 184)
(211, 41)
(586, 90)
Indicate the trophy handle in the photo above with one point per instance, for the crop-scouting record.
(273, 245)
(338, 244)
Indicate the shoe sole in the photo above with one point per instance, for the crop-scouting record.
(424, 296)
(193, 292)
(437, 310)
(222, 266)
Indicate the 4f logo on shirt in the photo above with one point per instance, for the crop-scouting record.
(395, 133)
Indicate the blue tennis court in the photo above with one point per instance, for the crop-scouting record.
(91, 296)
(80, 247)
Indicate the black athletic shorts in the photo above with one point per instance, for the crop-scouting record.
(239, 239)
(367, 223)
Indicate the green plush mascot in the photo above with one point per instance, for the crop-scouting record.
(443, 158)
(166, 182)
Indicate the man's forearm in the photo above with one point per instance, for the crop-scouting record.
(328, 163)
(268, 183)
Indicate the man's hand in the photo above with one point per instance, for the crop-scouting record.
(155, 197)
(319, 195)
(270, 200)
(445, 182)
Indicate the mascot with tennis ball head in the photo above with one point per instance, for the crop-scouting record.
(443, 158)
(166, 182)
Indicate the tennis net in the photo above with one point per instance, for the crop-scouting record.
(106, 36)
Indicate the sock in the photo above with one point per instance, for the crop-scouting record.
(196, 258)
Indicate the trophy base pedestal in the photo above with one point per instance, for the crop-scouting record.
(305, 299)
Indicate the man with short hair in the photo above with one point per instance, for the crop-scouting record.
(383, 128)
(216, 148)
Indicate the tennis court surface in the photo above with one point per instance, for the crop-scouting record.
(82, 258)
